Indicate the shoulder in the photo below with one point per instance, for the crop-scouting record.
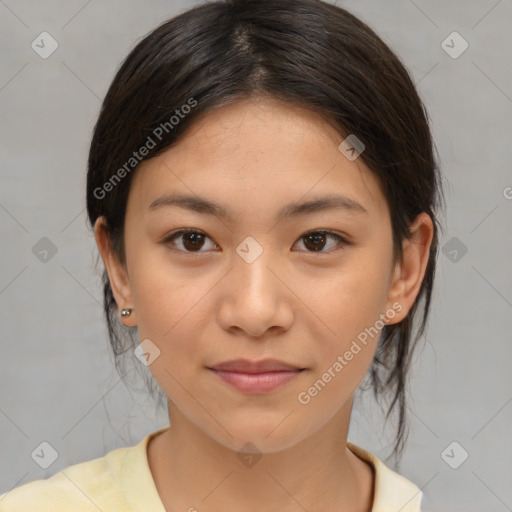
(391, 491)
(87, 486)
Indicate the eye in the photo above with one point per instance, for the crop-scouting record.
(316, 240)
(192, 240)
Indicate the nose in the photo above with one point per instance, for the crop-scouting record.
(256, 298)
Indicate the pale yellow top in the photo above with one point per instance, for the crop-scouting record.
(121, 481)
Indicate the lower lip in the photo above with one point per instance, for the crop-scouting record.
(257, 383)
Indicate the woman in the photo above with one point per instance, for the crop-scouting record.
(263, 193)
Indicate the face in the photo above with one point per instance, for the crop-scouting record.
(311, 288)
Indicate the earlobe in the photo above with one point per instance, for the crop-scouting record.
(410, 271)
(116, 271)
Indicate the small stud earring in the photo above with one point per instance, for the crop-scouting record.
(126, 312)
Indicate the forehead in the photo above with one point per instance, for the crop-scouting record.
(255, 155)
(250, 126)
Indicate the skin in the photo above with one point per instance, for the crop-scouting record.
(291, 303)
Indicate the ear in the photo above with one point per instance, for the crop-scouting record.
(408, 274)
(117, 274)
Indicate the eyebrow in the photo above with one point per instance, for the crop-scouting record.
(205, 206)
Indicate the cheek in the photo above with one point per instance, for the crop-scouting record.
(165, 296)
(349, 302)
(172, 311)
(352, 296)
(170, 307)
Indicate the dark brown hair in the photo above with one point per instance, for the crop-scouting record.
(306, 52)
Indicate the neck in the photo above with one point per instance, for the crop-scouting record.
(193, 471)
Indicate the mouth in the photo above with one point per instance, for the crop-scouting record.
(256, 377)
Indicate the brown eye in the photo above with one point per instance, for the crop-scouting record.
(191, 240)
(315, 241)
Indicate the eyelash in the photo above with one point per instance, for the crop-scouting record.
(170, 239)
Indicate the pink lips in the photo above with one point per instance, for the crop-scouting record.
(256, 377)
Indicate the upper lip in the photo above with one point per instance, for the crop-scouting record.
(246, 366)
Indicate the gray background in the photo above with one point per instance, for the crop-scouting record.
(57, 379)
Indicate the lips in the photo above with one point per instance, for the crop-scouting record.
(256, 377)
